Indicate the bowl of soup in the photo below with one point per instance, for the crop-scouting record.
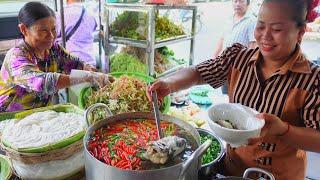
(234, 123)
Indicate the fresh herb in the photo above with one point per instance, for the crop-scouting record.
(166, 28)
(201, 93)
(133, 25)
(213, 151)
(127, 23)
(123, 62)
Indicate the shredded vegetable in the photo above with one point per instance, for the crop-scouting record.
(125, 94)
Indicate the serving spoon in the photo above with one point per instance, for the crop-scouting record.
(156, 112)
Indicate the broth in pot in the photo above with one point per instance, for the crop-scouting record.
(124, 144)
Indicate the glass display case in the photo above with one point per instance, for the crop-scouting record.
(148, 29)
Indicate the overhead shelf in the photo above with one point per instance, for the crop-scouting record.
(144, 43)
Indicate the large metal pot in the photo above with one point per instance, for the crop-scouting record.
(97, 170)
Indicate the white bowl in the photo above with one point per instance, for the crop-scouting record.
(239, 115)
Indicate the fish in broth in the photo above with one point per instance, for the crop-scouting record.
(124, 144)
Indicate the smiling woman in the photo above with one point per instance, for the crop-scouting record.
(38, 26)
(275, 79)
(37, 68)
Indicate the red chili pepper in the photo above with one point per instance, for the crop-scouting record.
(120, 163)
(95, 152)
(107, 160)
(123, 155)
(136, 162)
(113, 162)
(126, 166)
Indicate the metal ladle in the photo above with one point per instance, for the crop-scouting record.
(156, 112)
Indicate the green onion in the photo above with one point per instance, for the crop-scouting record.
(213, 151)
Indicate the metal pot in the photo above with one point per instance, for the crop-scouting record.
(215, 165)
(97, 170)
(246, 174)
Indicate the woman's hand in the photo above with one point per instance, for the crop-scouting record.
(94, 78)
(100, 79)
(89, 67)
(161, 87)
(273, 126)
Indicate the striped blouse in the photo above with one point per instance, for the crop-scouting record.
(292, 93)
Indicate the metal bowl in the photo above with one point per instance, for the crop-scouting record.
(216, 164)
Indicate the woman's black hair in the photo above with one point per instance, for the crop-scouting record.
(299, 9)
(33, 11)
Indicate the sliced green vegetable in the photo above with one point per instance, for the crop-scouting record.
(213, 151)
(123, 62)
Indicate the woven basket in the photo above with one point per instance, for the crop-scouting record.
(34, 158)
(41, 156)
(58, 145)
(50, 156)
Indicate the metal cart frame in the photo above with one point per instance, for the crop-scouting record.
(150, 43)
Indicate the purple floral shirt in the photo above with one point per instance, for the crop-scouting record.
(28, 82)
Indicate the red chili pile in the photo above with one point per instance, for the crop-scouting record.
(122, 144)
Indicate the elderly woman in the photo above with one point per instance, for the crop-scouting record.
(277, 80)
(36, 69)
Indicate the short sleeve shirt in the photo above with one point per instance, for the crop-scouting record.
(292, 93)
(241, 31)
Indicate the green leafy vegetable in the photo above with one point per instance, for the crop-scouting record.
(133, 25)
(126, 63)
(166, 28)
(127, 23)
(202, 93)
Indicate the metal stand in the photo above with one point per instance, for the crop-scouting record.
(63, 33)
(150, 44)
(63, 37)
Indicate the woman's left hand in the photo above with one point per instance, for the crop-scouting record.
(273, 126)
(89, 67)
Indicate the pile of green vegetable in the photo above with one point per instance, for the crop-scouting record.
(213, 151)
(133, 25)
(124, 62)
(201, 92)
(164, 59)
(127, 23)
(166, 28)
